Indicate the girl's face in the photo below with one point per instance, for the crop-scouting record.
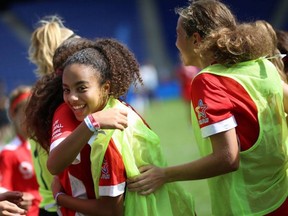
(18, 118)
(186, 46)
(82, 90)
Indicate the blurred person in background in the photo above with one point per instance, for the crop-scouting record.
(16, 166)
(185, 75)
(276, 56)
(149, 76)
(6, 129)
(282, 45)
(47, 36)
(146, 93)
(282, 37)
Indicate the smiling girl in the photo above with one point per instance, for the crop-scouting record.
(88, 152)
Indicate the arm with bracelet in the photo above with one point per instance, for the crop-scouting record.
(79, 137)
(92, 124)
(85, 206)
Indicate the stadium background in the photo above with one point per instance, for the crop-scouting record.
(147, 27)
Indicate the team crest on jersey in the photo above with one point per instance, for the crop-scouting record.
(105, 170)
(201, 112)
(26, 169)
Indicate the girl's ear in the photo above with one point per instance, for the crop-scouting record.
(196, 39)
(106, 87)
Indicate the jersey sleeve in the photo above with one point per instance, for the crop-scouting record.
(211, 105)
(113, 177)
(63, 124)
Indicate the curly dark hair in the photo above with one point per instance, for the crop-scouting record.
(46, 97)
(115, 62)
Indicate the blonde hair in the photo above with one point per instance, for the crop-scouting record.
(45, 39)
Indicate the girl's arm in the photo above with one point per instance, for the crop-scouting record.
(103, 206)
(224, 159)
(73, 144)
(112, 206)
(12, 196)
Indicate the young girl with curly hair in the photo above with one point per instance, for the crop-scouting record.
(92, 159)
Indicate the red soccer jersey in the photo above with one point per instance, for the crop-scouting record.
(77, 178)
(17, 172)
(220, 104)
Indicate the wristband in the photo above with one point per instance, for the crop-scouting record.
(95, 124)
(56, 196)
(91, 123)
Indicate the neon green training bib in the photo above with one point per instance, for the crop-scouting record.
(140, 146)
(260, 184)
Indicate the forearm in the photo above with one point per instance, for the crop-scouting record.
(202, 168)
(223, 159)
(65, 153)
(106, 206)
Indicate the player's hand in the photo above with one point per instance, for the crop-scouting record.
(150, 179)
(27, 201)
(112, 118)
(10, 209)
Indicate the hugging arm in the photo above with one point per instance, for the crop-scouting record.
(108, 119)
(110, 206)
(224, 159)
(103, 206)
